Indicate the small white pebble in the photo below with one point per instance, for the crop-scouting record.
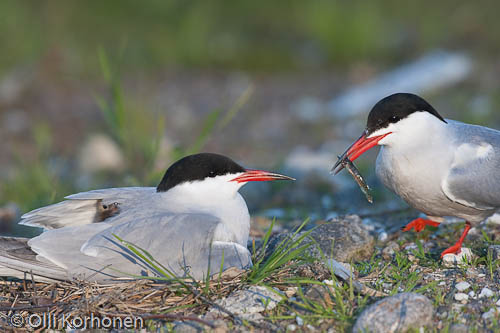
(383, 236)
(489, 314)
(328, 282)
(442, 283)
(481, 275)
(462, 286)
(461, 297)
(299, 321)
(486, 292)
(451, 259)
(291, 327)
(290, 291)
(411, 246)
(498, 303)
(472, 294)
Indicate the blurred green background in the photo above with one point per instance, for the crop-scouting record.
(148, 82)
(243, 35)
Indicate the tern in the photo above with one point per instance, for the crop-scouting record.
(194, 219)
(440, 167)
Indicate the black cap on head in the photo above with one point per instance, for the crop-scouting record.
(197, 167)
(393, 108)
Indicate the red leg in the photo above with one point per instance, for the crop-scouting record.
(419, 224)
(455, 249)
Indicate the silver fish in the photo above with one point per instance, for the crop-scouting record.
(351, 168)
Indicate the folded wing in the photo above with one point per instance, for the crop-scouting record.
(474, 176)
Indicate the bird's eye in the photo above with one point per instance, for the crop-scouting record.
(211, 173)
(395, 118)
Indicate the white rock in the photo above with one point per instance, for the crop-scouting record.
(472, 294)
(310, 328)
(462, 286)
(494, 219)
(490, 314)
(461, 297)
(383, 236)
(328, 282)
(486, 292)
(431, 72)
(100, 153)
(461, 258)
(498, 303)
(299, 321)
(247, 302)
(291, 327)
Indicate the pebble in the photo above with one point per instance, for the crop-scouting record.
(248, 302)
(100, 153)
(472, 294)
(462, 286)
(291, 328)
(187, 327)
(486, 292)
(299, 321)
(383, 236)
(498, 303)
(389, 250)
(495, 251)
(494, 219)
(459, 328)
(461, 258)
(290, 291)
(344, 238)
(396, 313)
(490, 314)
(461, 297)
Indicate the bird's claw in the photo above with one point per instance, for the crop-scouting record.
(455, 249)
(419, 224)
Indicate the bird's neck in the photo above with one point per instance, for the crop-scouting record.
(416, 133)
(228, 206)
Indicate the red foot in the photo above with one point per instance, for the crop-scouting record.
(419, 224)
(455, 249)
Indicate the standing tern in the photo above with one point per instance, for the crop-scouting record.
(439, 166)
(195, 217)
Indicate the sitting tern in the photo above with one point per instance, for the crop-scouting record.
(194, 217)
(439, 166)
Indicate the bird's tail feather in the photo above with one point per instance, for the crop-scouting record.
(19, 261)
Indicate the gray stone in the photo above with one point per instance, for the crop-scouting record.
(246, 303)
(459, 328)
(100, 153)
(389, 250)
(187, 327)
(397, 313)
(462, 286)
(343, 239)
(486, 292)
(495, 251)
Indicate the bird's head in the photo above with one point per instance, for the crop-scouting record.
(395, 119)
(212, 173)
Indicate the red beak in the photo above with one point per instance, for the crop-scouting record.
(358, 148)
(259, 176)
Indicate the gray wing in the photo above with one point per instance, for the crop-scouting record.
(18, 260)
(474, 176)
(180, 242)
(86, 207)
